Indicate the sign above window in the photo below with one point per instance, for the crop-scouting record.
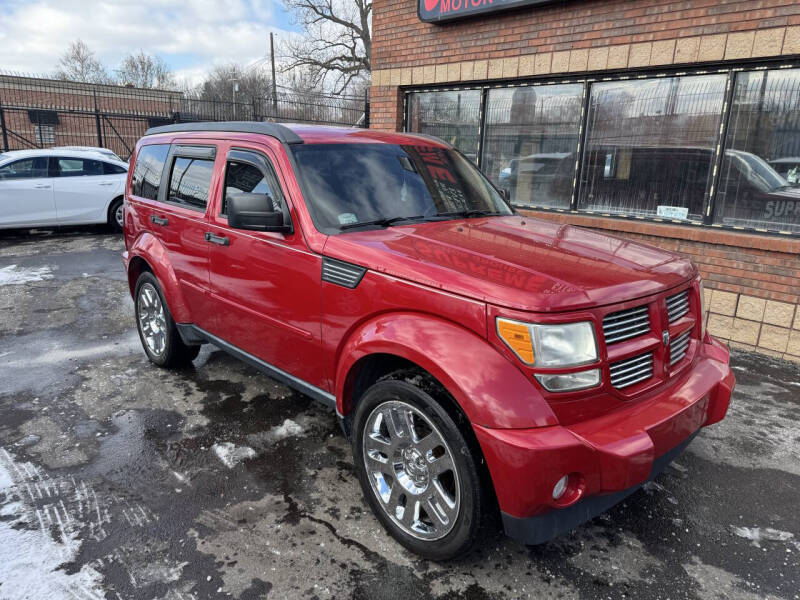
(438, 11)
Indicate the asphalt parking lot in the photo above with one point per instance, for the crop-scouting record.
(120, 480)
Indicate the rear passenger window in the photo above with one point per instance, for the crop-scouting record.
(191, 181)
(147, 172)
(78, 167)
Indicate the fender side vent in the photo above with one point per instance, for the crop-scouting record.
(341, 273)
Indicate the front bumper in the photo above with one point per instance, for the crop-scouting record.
(607, 458)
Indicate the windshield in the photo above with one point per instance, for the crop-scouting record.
(350, 185)
(757, 171)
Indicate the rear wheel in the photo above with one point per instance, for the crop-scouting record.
(416, 469)
(160, 338)
(116, 215)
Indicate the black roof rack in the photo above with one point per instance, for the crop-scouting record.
(276, 130)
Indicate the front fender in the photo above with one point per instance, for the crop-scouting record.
(491, 391)
(150, 249)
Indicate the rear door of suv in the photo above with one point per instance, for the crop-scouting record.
(172, 185)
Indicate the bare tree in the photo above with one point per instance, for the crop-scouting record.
(336, 43)
(232, 82)
(79, 63)
(145, 71)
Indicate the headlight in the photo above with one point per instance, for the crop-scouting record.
(556, 345)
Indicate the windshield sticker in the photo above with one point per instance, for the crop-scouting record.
(347, 219)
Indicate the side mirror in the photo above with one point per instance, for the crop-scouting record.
(255, 212)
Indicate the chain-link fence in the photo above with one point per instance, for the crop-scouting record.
(41, 113)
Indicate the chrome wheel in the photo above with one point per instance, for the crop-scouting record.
(152, 320)
(119, 215)
(411, 470)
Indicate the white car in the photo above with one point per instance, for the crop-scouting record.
(46, 188)
(106, 151)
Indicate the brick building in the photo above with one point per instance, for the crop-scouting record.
(36, 112)
(675, 123)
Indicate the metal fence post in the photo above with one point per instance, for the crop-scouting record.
(3, 127)
(97, 121)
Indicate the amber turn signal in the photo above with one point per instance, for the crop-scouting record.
(518, 337)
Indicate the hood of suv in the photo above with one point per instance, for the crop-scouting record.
(520, 263)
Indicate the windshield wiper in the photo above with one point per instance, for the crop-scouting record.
(385, 222)
(473, 213)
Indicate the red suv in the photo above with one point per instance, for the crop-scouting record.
(477, 359)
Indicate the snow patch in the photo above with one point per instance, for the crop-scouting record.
(31, 559)
(287, 429)
(756, 535)
(231, 454)
(13, 275)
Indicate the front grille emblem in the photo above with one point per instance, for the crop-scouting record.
(665, 338)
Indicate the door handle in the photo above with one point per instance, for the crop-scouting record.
(107, 182)
(159, 220)
(42, 186)
(217, 239)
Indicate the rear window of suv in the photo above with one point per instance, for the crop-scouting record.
(147, 172)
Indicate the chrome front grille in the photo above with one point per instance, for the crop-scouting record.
(631, 370)
(678, 347)
(678, 306)
(626, 324)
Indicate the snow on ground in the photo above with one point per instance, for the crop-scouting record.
(13, 275)
(756, 535)
(287, 429)
(231, 454)
(31, 557)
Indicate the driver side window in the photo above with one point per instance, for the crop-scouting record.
(246, 178)
(27, 168)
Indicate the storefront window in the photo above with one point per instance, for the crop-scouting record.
(531, 142)
(759, 185)
(651, 146)
(453, 116)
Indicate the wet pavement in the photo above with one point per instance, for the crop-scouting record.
(121, 480)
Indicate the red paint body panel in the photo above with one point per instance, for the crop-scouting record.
(610, 453)
(475, 374)
(538, 266)
(431, 294)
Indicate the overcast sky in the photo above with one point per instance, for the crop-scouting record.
(190, 35)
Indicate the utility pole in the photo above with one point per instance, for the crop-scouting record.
(274, 83)
(235, 86)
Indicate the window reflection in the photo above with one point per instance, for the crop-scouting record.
(651, 146)
(531, 142)
(760, 179)
(453, 116)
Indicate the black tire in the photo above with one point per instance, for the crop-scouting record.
(113, 223)
(411, 388)
(175, 353)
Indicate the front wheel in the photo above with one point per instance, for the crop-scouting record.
(417, 470)
(160, 338)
